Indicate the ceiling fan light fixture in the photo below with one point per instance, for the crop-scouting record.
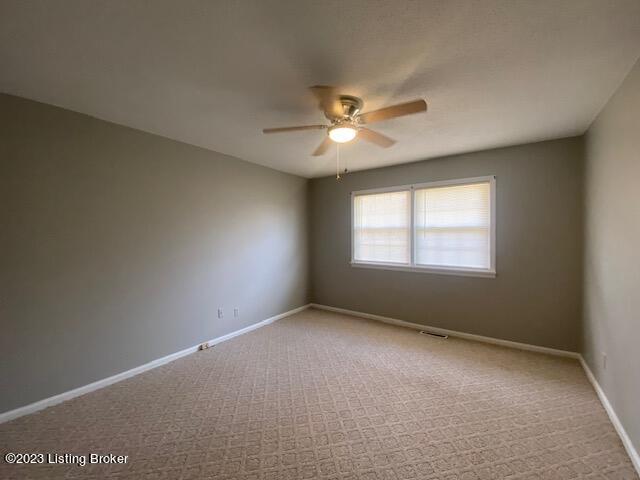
(342, 133)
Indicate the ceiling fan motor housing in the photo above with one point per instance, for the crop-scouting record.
(351, 106)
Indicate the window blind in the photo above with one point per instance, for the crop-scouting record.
(381, 227)
(452, 226)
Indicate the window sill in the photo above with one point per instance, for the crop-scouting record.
(464, 272)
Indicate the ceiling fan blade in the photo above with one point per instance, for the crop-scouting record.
(323, 147)
(293, 129)
(329, 100)
(375, 137)
(394, 111)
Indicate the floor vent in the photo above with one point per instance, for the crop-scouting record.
(431, 334)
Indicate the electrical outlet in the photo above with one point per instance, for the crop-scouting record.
(220, 313)
(236, 312)
(604, 360)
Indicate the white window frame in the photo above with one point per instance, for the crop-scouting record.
(411, 266)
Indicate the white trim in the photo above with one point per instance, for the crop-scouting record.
(465, 272)
(437, 269)
(353, 207)
(396, 188)
(493, 221)
(451, 333)
(626, 441)
(56, 399)
(439, 183)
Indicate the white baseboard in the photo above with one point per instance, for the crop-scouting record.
(48, 402)
(626, 441)
(255, 326)
(452, 333)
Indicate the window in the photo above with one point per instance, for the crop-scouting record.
(382, 225)
(446, 227)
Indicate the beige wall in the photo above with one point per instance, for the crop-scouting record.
(536, 296)
(612, 252)
(117, 247)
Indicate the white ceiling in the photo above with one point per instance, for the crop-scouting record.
(214, 74)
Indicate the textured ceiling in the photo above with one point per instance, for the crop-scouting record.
(214, 74)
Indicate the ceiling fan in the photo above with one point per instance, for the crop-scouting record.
(343, 113)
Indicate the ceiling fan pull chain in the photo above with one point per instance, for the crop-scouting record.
(337, 161)
(346, 161)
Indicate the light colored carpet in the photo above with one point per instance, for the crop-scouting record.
(322, 395)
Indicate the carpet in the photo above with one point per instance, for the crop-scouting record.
(321, 395)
